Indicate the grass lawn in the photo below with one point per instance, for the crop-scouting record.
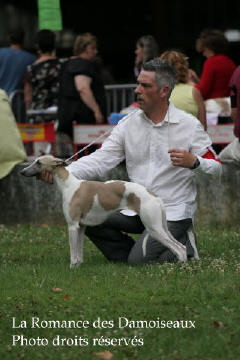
(173, 311)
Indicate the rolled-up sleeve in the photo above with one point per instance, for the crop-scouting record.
(202, 148)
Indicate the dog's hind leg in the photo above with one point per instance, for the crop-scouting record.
(154, 219)
(165, 227)
(76, 239)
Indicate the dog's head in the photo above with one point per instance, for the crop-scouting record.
(42, 163)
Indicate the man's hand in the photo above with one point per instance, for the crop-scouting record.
(181, 157)
(45, 176)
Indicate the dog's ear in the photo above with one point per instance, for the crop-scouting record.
(59, 162)
(62, 162)
(65, 163)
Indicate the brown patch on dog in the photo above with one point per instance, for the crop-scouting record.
(109, 196)
(134, 202)
(62, 172)
(81, 202)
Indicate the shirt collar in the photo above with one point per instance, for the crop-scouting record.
(170, 116)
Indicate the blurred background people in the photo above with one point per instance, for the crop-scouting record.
(11, 147)
(217, 71)
(147, 48)
(82, 95)
(13, 62)
(41, 86)
(184, 95)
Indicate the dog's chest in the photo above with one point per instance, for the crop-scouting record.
(68, 195)
(87, 210)
(96, 215)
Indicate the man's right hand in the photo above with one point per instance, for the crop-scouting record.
(45, 176)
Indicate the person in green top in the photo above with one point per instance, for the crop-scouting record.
(12, 149)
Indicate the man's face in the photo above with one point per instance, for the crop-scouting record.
(148, 94)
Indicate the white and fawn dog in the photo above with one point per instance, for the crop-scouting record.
(89, 203)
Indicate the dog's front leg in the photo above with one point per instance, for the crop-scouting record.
(81, 232)
(76, 238)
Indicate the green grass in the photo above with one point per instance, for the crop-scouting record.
(35, 261)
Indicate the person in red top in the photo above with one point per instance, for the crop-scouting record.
(218, 68)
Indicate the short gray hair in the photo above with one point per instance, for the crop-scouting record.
(165, 73)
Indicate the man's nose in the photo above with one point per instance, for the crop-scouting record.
(137, 89)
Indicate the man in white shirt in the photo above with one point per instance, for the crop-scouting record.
(164, 148)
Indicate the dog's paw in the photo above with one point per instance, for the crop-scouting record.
(72, 266)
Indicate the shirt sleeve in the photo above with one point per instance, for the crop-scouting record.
(206, 79)
(97, 164)
(202, 148)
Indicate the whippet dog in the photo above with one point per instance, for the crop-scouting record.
(89, 203)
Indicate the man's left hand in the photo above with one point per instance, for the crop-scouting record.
(181, 157)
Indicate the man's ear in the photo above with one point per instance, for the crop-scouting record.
(164, 91)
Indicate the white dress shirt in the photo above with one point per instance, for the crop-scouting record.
(144, 145)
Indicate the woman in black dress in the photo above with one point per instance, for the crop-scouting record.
(82, 95)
